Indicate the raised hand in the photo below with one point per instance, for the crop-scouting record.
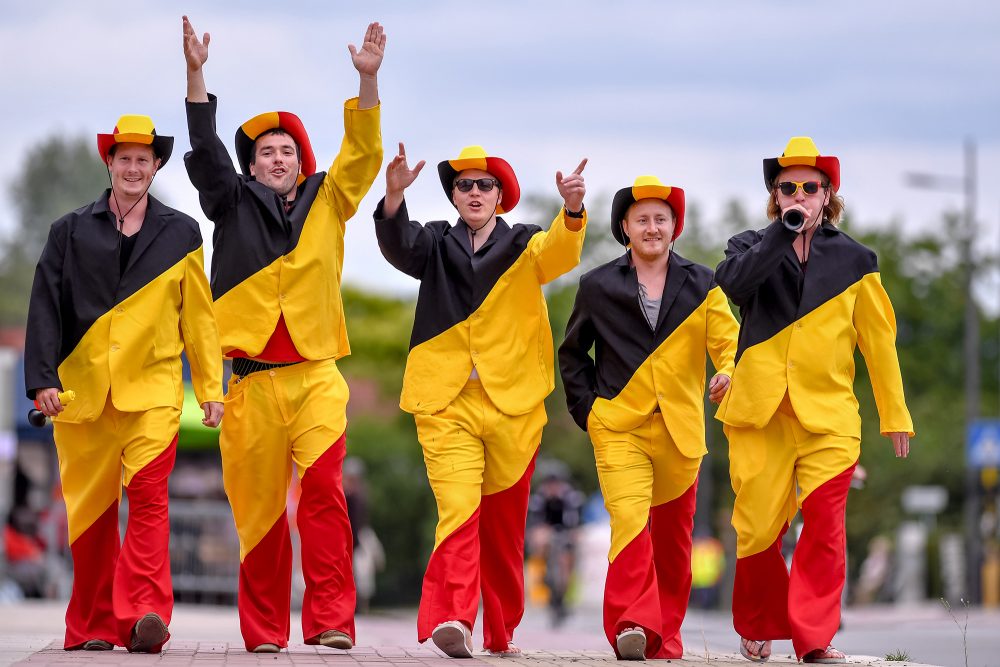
(195, 50)
(398, 175)
(572, 188)
(368, 59)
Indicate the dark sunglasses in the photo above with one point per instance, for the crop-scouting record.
(789, 188)
(485, 184)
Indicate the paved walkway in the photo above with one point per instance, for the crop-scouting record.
(30, 634)
(204, 653)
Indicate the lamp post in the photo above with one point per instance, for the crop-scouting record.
(966, 184)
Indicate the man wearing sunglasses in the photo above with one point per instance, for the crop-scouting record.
(808, 295)
(276, 266)
(651, 318)
(479, 368)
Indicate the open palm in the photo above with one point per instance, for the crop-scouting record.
(195, 50)
(368, 59)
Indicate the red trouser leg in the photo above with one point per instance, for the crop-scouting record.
(451, 583)
(760, 594)
(501, 537)
(142, 576)
(630, 593)
(265, 597)
(817, 578)
(90, 614)
(671, 526)
(329, 599)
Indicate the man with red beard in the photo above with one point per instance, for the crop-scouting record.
(479, 368)
(276, 267)
(119, 292)
(651, 317)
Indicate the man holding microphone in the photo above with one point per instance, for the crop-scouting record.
(808, 295)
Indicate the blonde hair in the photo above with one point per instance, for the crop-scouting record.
(831, 212)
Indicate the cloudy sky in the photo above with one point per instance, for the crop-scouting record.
(696, 93)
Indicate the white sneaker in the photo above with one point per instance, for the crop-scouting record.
(454, 639)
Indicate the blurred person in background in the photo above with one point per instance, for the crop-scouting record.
(479, 368)
(369, 556)
(651, 317)
(808, 295)
(554, 512)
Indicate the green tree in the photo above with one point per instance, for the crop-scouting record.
(58, 175)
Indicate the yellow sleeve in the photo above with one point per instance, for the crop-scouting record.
(875, 322)
(723, 332)
(558, 250)
(357, 164)
(199, 330)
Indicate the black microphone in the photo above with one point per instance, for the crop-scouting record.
(793, 219)
(38, 419)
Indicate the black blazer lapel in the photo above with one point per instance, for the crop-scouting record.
(156, 215)
(677, 275)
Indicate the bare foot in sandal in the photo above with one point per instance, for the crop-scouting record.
(827, 656)
(755, 651)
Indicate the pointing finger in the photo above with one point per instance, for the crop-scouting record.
(579, 169)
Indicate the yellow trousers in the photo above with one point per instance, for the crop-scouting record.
(637, 470)
(96, 458)
(479, 463)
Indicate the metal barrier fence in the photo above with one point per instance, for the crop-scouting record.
(204, 551)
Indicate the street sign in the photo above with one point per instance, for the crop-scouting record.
(982, 445)
(924, 499)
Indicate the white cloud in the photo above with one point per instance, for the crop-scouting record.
(697, 93)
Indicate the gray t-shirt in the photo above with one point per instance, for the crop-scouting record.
(650, 307)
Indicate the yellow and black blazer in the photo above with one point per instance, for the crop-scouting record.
(484, 310)
(637, 368)
(800, 327)
(265, 262)
(93, 328)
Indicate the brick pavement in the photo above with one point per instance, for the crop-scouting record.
(31, 632)
(179, 653)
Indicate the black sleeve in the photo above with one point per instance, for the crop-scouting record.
(43, 336)
(579, 375)
(750, 258)
(209, 165)
(404, 243)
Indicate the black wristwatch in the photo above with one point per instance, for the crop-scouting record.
(575, 214)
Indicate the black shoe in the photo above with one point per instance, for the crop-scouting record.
(148, 634)
(97, 645)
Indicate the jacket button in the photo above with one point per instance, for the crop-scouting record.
(271, 373)
(114, 348)
(119, 309)
(791, 364)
